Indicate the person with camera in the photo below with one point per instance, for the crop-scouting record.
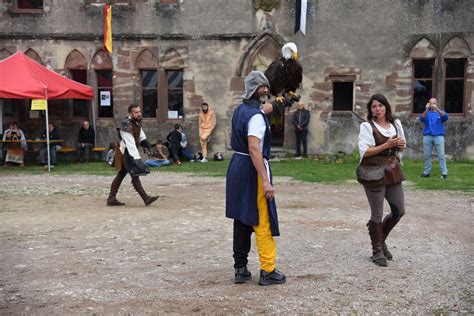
(127, 157)
(250, 195)
(433, 136)
(381, 143)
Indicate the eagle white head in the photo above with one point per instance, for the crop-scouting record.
(289, 50)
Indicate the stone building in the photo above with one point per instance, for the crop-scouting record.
(171, 55)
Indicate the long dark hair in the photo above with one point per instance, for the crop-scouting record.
(388, 109)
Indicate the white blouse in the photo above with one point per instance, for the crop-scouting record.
(366, 136)
(128, 142)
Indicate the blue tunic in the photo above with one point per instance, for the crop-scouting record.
(242, 177)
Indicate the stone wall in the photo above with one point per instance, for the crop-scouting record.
(371, 43)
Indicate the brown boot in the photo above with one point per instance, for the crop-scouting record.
(114, 202)
(387, 225)
(139, 188)
(375, 233)
(150, 200)
(114, 187)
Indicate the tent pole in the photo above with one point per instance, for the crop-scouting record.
(1, 115)
(1, 127)
(93, 122)
(47, 136)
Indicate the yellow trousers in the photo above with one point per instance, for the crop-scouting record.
(266, 244)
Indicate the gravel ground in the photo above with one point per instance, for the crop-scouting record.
(63, 251)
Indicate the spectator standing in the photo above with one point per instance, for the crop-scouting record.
(300, 122)
(433, 136)
(207, 123)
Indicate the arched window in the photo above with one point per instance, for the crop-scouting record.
(33, 55)
(147, 65)
(423, 56)
(455, 59)
(4, 53)
(102, 65)
(10, 109)
(173, 65)
(76, 65)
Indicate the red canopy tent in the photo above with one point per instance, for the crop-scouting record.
(23, 78)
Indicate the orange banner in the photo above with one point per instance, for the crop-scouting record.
(108, 28)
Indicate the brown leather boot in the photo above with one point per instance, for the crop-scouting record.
(139, 188)
(114, 187)
(114, 202)
(387, 225)
(375, 233)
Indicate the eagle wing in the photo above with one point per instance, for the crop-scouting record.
(276, 76)
(284, 76)
(294, 76)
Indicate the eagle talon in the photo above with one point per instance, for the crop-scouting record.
(292, 94)
(280, 99)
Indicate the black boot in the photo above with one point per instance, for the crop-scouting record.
(114, 187)
(387, 225)
(269, 278)
(139, 188)
(375, 233)
(242, 275)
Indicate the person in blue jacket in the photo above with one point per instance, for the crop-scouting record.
(433, 136)
(249, 192)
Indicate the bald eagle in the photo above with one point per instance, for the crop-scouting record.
(285, 75)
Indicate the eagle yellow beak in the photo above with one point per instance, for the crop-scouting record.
(294, 55)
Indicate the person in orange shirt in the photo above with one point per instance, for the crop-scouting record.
(207, 123)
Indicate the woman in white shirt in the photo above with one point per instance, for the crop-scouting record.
(382, 138)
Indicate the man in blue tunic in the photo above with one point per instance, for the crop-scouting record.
(249, 191)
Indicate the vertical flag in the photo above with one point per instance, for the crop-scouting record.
(301, 9)
(108, 28)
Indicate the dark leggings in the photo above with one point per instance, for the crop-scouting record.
(242, 234)
(395, 198)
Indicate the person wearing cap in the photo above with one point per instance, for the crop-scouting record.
(250, 197)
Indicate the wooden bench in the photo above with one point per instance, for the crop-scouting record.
(65, 151)
(100, 151)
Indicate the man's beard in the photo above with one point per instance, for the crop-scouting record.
(138, 119)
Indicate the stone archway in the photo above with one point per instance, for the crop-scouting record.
(258, 55)
(34, 55)
(4, 53)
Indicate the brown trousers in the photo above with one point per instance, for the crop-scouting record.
(394, 195)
